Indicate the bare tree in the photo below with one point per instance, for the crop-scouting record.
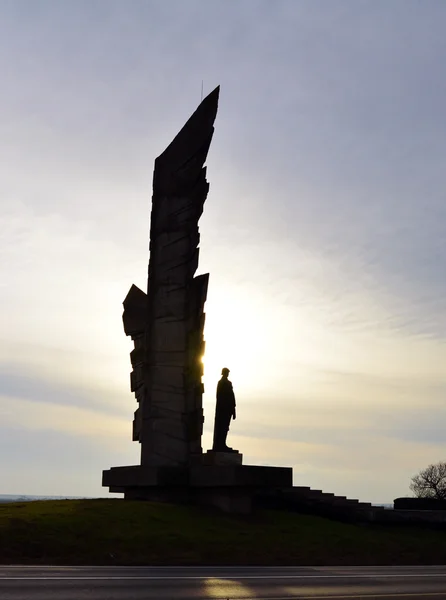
(430, 482)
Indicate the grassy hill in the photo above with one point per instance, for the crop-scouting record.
(112, 531)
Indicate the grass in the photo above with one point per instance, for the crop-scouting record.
(107, 532)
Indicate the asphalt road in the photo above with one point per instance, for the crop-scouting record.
(173, 583)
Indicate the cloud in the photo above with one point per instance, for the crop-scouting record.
(54, 461)
(15, 382)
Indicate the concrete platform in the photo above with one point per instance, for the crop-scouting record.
(231, 488)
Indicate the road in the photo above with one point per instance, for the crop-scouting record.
(191, 583)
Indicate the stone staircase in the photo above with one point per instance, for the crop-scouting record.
(306, 500)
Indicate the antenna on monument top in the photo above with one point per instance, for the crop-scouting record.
(201, 91)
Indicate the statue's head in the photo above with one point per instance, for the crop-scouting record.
(225, 372)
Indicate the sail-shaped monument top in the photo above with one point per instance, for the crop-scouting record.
(167, 323)
(181, 163)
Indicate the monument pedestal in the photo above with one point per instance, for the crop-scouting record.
(229, 487)
(221, 459)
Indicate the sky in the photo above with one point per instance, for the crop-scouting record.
(323, 232)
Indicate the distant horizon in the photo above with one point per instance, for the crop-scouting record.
(45, 496)
(106, 496)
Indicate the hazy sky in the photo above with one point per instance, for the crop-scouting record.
(324, 230)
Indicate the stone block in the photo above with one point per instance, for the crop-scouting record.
(139, 476)
(176, 247)
(171, 427)
(168, 336)
(136, 378)
(137, 425)
(180, 214)
(222, 458)
(194, 420)
(198, 476)
(169, 302)
(137, 356)
(135, 307)
(169, 359)
(167, 376)
(163, 402)
(170, 447)
(229, 488)
(140, 394)
(197, 294)
(240, 476)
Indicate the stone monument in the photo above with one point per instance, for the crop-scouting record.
(166, 325)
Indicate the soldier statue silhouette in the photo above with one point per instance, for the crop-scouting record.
(224, 411)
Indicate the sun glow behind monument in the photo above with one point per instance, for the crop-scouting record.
(234, 338)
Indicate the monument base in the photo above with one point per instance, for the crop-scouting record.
(230, 488)
(221, 459)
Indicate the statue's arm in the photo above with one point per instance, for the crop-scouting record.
(233, 399)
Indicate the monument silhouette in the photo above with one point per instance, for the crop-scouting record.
(224, 412)
(166, 324)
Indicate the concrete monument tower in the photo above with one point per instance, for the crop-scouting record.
(166, 325)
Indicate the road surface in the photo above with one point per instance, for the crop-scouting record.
(191, 583)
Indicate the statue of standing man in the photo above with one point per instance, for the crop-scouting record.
(224, 411)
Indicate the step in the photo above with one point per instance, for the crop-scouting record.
(351, 502)
(301, 493)
(323, 498)
(306, 496)
(341, 501)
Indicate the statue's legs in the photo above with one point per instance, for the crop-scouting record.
(221, 429)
